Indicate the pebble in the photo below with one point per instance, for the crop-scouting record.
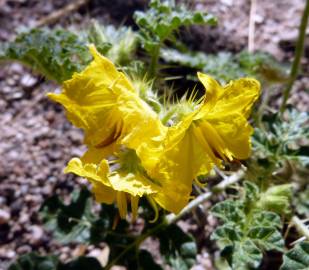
(36, 234)
(28, 81)
(4, 216)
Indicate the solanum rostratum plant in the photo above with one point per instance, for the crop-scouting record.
(160, 144)
(132, 154)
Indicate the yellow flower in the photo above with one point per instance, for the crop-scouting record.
(217, 130)
(220, 125)
(132, 154)
(103, 102)
(126, 181)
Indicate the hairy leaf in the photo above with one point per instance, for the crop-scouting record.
(163, 18)
(117, 44)
(297, 258)
(226, 66)
(56, 54)
(178, 248)
(247, 230)
(69, 223)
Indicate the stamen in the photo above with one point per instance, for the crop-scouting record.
(134, 207)
(122, 204)
(155, 208)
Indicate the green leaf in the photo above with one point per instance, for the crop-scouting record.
(226, 235)
(56, 54)
(302, 201)
(178, 248)
(229, 211)
(117, 44)
(267, 238)
(266, 219)
(146, 261)
(226, 66)
(33, 261)
(162, 18)
(281, 142)
(243, 255)
(69, 223)
(247, 230)
(297, 258)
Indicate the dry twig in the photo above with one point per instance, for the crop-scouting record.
(60, 13)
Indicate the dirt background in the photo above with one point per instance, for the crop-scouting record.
(36, 140)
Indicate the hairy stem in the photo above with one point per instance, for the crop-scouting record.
(154, 62)
(298, 54)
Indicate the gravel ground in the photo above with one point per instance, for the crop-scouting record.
(36, 140)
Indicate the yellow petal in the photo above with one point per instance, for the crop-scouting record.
(90, 99)
(212, 88)
(102, 193)
(237, 96)
(97, 175)
(95, 155)
(179, 162)
(88, 170)
(235, 131)
(135, 185)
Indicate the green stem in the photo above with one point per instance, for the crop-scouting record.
(154, 62)
(298, 54)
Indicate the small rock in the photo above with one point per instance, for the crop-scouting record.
(10, 81)
(100, 255)
(23, 249)
(10, 254)
(16, 68)
(4, 216)
(36, 234)
(28, 81)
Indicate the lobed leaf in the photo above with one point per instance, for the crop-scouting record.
(56, 54)
(297, 258)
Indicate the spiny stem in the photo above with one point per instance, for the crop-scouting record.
(298, 54)
(154, 62)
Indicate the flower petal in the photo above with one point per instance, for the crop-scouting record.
(134, 184)
(96, 175)
(237, 96)
(90, 99)
(180, 160)
(235, 132)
